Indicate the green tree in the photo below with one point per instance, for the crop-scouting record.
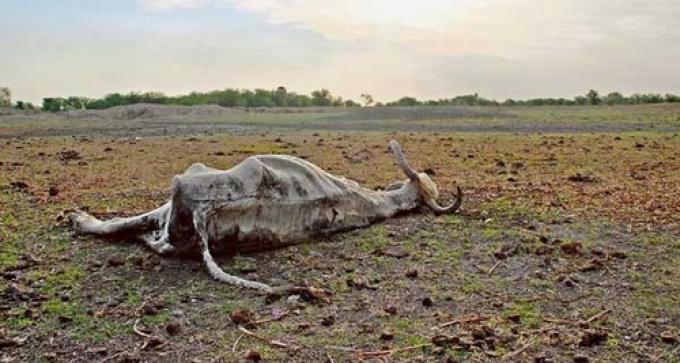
(672, 98)
(5, 97)
(405, 101)
(322, 97)
(280, 96)
(24, 106)
(593, 97)
(53, 104)
(367, 99)
(614, 98)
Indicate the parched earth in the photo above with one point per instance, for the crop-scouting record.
(567, 249)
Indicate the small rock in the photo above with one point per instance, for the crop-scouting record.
(359, 283)
(49, 356)
(253, 355)
(219, 153)
(53, 191)
(69, 155)
(386, 335)
(618, 254)
(304, 325)
(668, 337)
(515, 318)
(19, 186)
(392, 310)
(115, 261)
(241, 317)
(544, 250)
(592, 337)
(478, 333)
(173, 328)
(427, 301)
(581, 358)
(571, 247)
(328, 320)
(543, 359)
(395, 251)
(582, 178)
(64, 319)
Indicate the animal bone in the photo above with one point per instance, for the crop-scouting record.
(266, 201)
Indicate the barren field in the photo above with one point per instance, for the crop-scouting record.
(567, 247)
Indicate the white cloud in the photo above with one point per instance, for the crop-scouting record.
(159, 5)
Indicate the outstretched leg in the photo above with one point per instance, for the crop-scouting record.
(152, 227)
(201, 224)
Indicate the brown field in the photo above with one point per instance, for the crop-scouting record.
(568, 243)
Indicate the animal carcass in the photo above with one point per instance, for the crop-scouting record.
(266, 201)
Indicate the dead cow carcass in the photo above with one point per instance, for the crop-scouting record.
(266, 201)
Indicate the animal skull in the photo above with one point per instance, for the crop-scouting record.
(266, 201)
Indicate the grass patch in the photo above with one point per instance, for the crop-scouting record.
(528, 313)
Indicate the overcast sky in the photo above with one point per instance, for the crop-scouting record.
(388, 48)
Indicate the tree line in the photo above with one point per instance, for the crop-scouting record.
(592, 97)
(281, 97)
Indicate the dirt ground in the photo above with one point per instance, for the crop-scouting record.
(567, 247)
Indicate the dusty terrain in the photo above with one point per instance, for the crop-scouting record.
(567, 248)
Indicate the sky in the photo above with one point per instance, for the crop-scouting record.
(387, 48)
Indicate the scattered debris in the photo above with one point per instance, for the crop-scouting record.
(583, 178)
(571, 247)
(53, 191)
(241, 317)
(19, 186)
(274, 343)
(592, 337)
(67, 155)
(253, 355)
(668, 337)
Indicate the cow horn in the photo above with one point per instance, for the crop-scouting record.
(427, 191)
(401, 161)
(448, 209)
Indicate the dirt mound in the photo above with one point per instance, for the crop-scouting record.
(152, 111)
(421, 113)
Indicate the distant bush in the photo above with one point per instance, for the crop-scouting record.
(592, 97)
(24, 106)
(279, 97)
(5, 97)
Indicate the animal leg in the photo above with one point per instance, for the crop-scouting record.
(200, 225)
(157, 219)
(158, 240)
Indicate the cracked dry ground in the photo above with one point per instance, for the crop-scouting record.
(568, 249)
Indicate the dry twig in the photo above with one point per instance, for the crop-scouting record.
(139, 332)
(233, 347)
(494, 267)
(520, 350)
(274, 343)
(391, 351)
(463, 320)
(598, 315)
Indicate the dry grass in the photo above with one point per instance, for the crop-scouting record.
(617, 194)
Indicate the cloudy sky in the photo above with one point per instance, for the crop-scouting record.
(389, 48)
